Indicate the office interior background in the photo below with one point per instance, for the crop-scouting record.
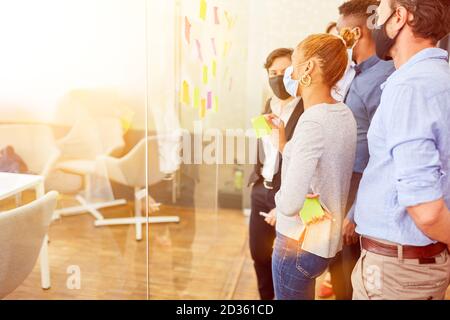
(83, 82)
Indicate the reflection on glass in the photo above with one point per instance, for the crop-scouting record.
(72, 109)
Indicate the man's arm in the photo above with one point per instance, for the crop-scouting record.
(413, 140)
(433, 219)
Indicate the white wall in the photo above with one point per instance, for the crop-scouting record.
(280, 23)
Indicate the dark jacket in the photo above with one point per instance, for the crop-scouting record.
(256, 176)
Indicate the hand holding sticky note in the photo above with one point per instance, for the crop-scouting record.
(313, 212)
(261, 127)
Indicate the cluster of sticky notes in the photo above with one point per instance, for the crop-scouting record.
(211, 102)
(261, 127)
(201, 94)
(312, 210)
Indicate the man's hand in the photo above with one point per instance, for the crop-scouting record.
(349, 233)
(271, 218)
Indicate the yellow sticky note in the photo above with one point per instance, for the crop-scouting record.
(185, 96)
(126, 120)
(261, 127)
(197, 98)
(214, 68)
(202, 111)
(205, 75)
(203, 9)
(311, 209)
(216, 104)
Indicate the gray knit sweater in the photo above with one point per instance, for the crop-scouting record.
(319, 159)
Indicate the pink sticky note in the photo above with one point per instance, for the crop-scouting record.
(199, 50)
(216, 15)
(209, 103)
(187, 30)
(213, 43)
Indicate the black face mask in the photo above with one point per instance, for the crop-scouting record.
(277, 85)
(382, 41)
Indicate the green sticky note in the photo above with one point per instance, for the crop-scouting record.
(311, 209)
(261, 127)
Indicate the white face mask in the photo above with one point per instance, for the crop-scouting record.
(290, 84)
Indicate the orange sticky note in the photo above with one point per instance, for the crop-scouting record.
(187, 30)
(202, 111)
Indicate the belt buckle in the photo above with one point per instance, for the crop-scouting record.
(265, 183)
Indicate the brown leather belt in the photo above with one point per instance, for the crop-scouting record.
(409, 252)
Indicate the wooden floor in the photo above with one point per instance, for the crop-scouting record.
(204, 257)
(200, 258)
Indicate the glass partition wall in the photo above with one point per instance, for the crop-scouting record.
(193, 64)
(72, 109)
(138, 114)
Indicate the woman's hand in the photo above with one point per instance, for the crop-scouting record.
(271, 218)
(327, 215)
(277, 124)
(274, 121)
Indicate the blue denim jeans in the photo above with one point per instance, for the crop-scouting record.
(294, 270)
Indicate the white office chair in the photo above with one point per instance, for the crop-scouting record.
(130, 171)
(88, 140)
(22, 232)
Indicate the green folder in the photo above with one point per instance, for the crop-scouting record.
(261, 127)
(311, 209)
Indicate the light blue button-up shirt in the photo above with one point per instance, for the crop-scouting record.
(409, 145)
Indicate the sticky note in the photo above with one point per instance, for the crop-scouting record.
(197, 97)
(311, 209)
(126, 120)
(216, 15)
(187, 30)
(213, 43)
(229, 20)
(216, 104)
(214, 68)
(203, 9)
(205, 75)
(225, 49)
(185, 96)
(202, 111)
(209, 101)
(261, 127)
(199, 50)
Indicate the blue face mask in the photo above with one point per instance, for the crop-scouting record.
(290, 84)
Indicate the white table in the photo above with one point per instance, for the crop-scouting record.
(12, 184)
